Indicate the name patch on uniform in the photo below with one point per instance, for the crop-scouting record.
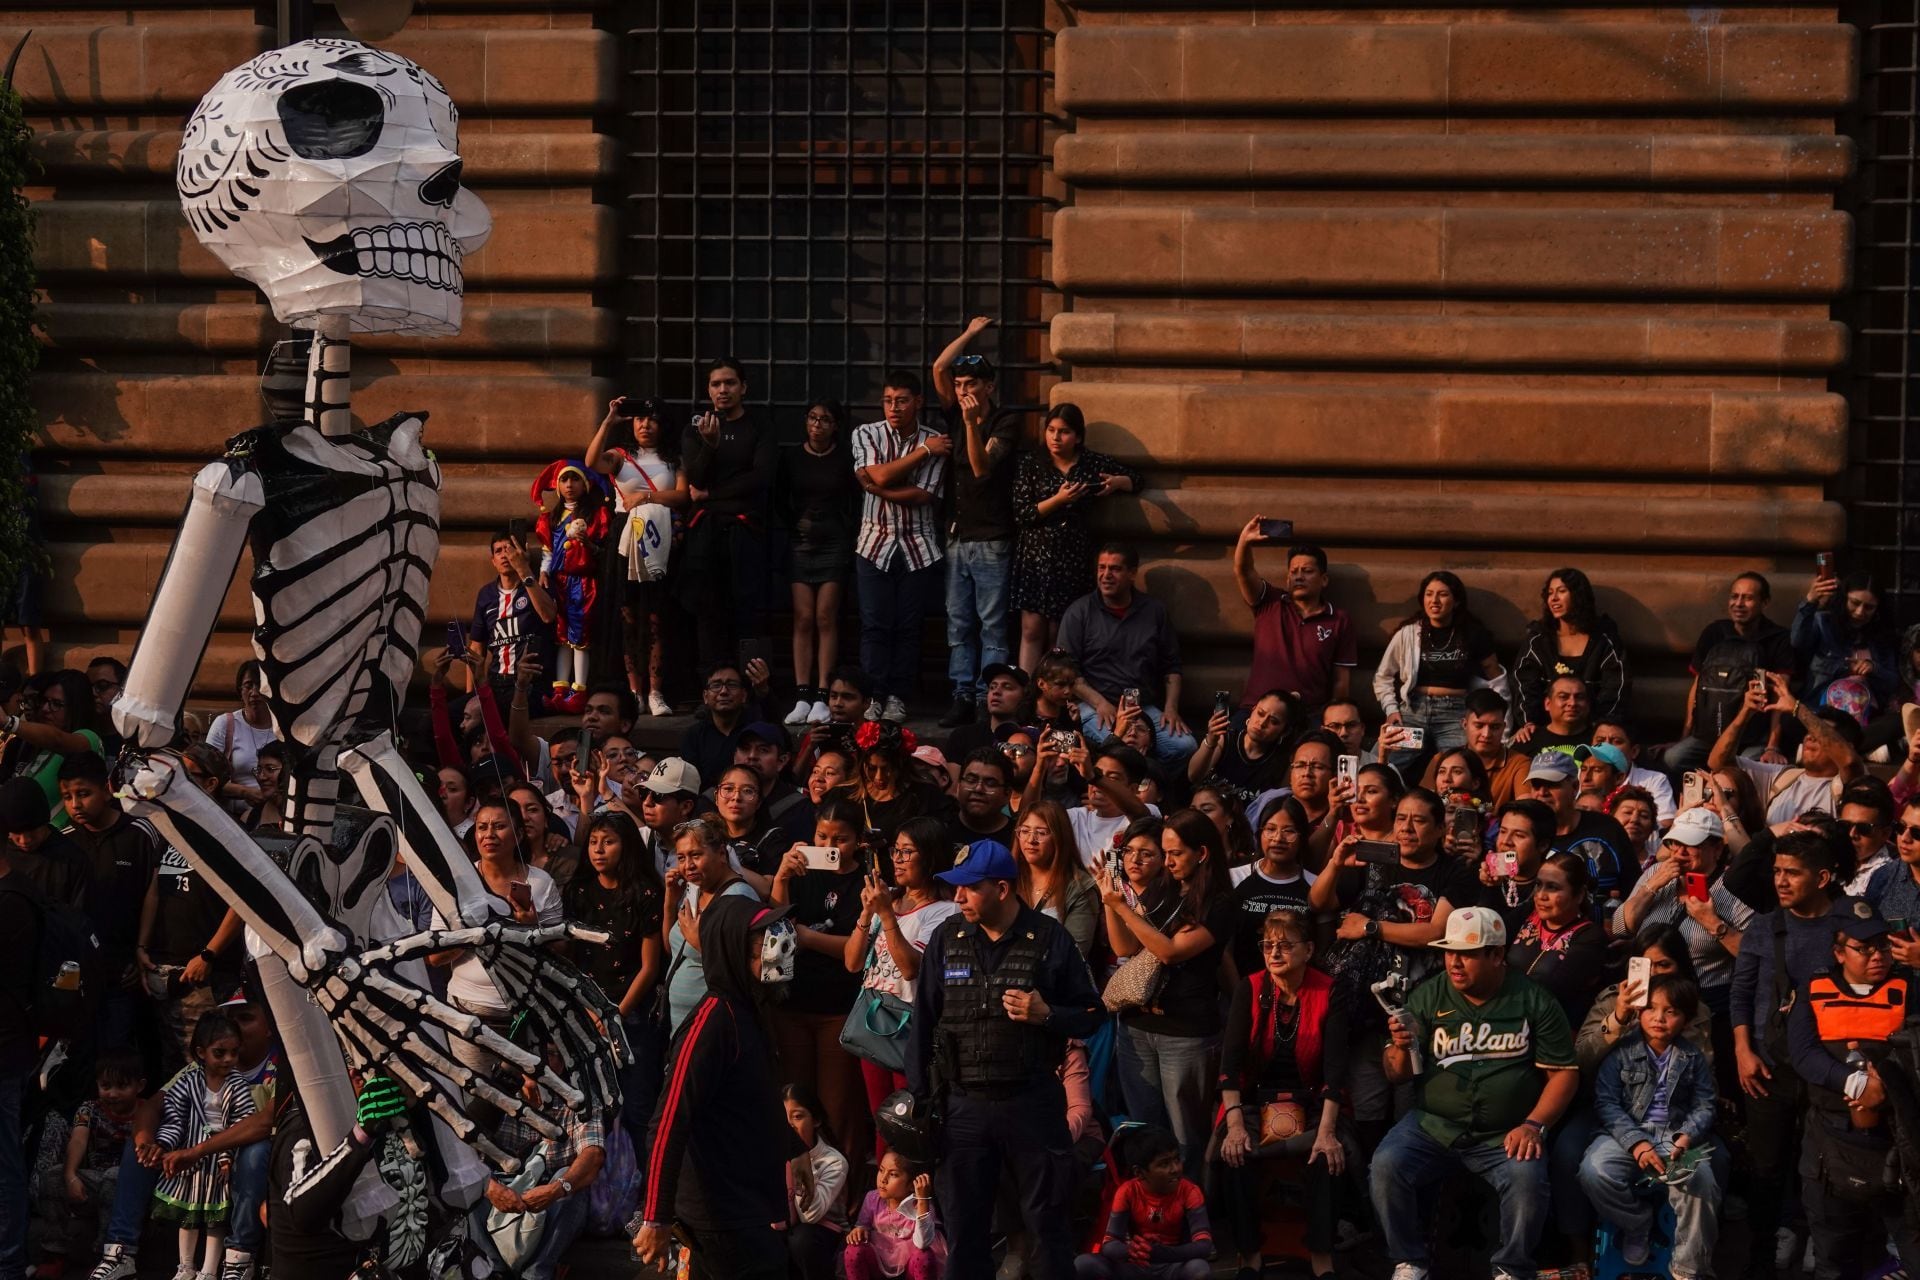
(958, 969)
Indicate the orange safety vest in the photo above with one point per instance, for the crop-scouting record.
(1841, 1015)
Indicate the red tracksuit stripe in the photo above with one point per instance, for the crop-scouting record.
(667, 1116)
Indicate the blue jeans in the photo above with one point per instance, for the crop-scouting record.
(893, 604)
(1170, 748)
(976, 612)
(247, 1190)
(13, 1179)
(1409, 1162)
(1168, 1080)
(132, 1194)
(1441, 717)
(565, 1218)
(1607, 1175)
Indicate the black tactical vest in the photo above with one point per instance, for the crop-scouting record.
(980, 1046)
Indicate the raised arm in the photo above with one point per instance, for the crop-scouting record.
(943, 363)
(1252, 585)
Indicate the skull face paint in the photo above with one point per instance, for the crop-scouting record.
(328, 174)
(779, 946)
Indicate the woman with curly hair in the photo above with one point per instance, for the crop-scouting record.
(891, 790)
(1571, 638)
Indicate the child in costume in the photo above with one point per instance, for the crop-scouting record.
(572, 525)
(201, 1101)
(897, 1233)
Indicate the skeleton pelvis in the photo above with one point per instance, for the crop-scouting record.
(347, 881)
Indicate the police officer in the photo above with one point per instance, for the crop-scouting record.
(1001, 990)
(1839, 1033)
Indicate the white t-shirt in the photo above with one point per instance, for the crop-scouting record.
(243, 753)
(1655, 784)
(917, 927)
(1803, 793)
(631, 479)
(469, 983)
(1093, 835)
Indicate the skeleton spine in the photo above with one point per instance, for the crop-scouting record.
(330, 382)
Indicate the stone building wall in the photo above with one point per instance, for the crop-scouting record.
(1489, 289)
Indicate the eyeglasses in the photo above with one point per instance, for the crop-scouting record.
(1279, 946)
(54, 702)
(620, 753)
(101, 686)
(969, 363)
(1907, 830)
(1015, 749)
(821, 420)
(1877, 947)
(737, 789)
(721, 686)
(1859, 829)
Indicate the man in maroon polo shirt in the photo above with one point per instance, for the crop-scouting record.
(1300, 642)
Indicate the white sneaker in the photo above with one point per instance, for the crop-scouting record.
(186, 1271)
(818, 715)
(801, 710)
(117, 1262)
(1408, 1271)
(896, 711)
(658, 706)
(874, 709)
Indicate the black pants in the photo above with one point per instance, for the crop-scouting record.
(1025, 1135)
(814, 1249)
(1773, 1150)
(738, 1253)
(1849, 1235)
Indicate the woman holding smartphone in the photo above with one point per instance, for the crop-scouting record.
(499, 845)
(1433, 660)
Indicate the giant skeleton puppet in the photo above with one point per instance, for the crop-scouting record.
(326, 174)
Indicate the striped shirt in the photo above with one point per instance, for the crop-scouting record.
(887, 526)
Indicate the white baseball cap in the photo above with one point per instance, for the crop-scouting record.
(1696, 826)
(671, 776)
(1471, 928)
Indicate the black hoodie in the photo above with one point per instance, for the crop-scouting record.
(720, 1135)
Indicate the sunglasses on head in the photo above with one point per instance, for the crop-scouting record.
(970, 363)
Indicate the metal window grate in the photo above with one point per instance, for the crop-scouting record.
(828, 189)
(1883, 491)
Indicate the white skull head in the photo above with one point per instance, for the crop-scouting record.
(778, 948)
(327, 174)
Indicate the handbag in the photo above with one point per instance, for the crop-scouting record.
(876, 1026)
(517, 1235)
(1135, 984)
(1283, 1117)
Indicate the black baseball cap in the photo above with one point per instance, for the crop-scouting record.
(1008, 670)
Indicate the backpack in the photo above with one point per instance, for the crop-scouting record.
(1728, 669)
(68, 973)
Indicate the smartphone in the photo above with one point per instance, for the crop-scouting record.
(1757, 686)
(1696, 886)
(1222, 702)
(752, 649)
(1379, 853)
(1276, 530)
(1464, 824)
(517, 530)
(1116, 869)
(821, 857)
(584, 760)
(456, 639)
(1823, 564)
(1063, 741)
(1347, 769)
(1506, 863)
(520, 893)
(626, 406)
(1693, 789)
(1640, 971)
(1129, 697)
(1413, 737)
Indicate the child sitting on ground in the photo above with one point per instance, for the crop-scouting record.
(1158, 1228)
(1655, 1101)
(72, 1200)
(897, 1234)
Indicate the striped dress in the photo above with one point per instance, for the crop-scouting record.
(197, 1196)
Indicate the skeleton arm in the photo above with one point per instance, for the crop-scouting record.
(186, 603)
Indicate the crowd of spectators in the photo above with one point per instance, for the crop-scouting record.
(1499, 937)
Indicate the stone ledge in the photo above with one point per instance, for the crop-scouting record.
(1695, 434)
(495, 418)
(1500, 252)
(1237, 158)
(232, 328)
(1435, 341)
(150, 240)
(498, 159)
(1464, 66)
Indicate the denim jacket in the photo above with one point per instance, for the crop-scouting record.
(1625, 1086)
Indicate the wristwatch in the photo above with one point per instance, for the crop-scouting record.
(1722, 931)
(1373, 929)
(207, 955)
(566, 1188)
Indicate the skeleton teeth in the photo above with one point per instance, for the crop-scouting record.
(383, 261)
(433, 269)
(414, 239)
(417, 265)
(365, 257)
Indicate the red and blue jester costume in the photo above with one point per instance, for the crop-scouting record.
(570, 534)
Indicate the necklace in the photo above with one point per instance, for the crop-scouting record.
(808, 446)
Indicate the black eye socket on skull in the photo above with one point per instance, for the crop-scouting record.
(331, 119)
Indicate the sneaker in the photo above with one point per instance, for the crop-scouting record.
(1408, 1271)
(1788, 1245)
(117, 1262)
(874, 709)
(896, 711)
(1636, 1247)
(961, 712)
(186, 1271)
(819, 714)
(238, 1266)
(658, 706)
(801, 710)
